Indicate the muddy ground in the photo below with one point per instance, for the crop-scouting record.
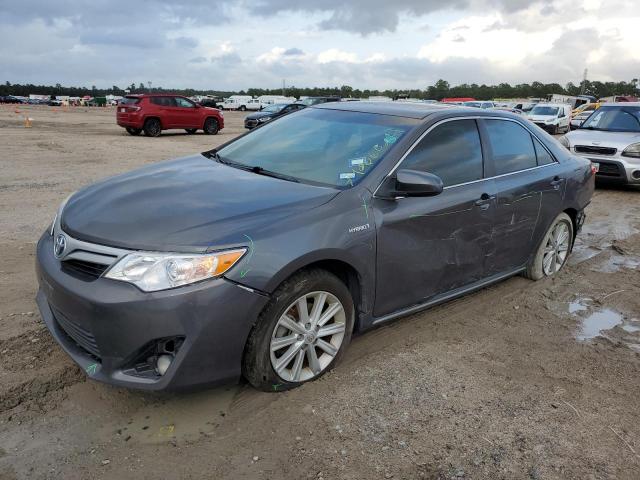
(521, 380)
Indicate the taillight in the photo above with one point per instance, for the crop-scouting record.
(133, 109)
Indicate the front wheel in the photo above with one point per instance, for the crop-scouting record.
(554, 249)
(210, 126)
(301, 334)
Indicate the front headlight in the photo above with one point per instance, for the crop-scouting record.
(151, 271)
(632, 150)
(565, 142)
(264, 119)
(551, 120)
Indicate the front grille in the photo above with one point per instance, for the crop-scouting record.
(83, 269)
(543, 126)
(81, 336)
(592, 149)
(607, 169)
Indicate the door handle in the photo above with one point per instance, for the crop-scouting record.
(556, 182)
(484, 201)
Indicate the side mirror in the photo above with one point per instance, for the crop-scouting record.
(413, 183)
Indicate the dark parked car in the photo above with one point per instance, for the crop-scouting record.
(269, 113)
(263, 257)
(153, 113)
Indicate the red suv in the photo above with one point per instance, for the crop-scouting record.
(154, 113)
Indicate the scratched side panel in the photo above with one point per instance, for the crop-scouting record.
(343, 230)
(428, 246)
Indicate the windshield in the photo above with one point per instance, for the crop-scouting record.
(544, 111)
(614, 119)
(329, 147)
(273, 108)
(472, 104)
(309, 101)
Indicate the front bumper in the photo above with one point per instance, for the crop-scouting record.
(615, 169)
(113, 323)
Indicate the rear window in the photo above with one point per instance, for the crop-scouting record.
(129, 100)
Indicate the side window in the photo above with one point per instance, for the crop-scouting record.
(544, 157)
(163, 101)
(452, 151)
(183, 103)
(512, 146)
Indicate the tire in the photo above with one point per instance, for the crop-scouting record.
(152, 127)
(309, 359)
(537, 268)
(191, 131)
(242, 108)
(210, 126)
(134, 131)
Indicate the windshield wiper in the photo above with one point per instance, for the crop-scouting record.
(255, 169)
(269, 173)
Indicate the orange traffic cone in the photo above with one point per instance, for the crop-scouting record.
(27, 122)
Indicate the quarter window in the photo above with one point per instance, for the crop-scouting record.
(452, 151)
(544, 157)
(512, 146)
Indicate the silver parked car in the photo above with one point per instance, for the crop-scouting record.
(610, 138)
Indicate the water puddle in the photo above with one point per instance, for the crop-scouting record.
(605, 323)
(579, 305)
(616, 263)
(597, 322)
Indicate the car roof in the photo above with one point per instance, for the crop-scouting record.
(417, 111)
(620, 104)
(147, 95)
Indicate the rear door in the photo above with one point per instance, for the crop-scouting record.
(432, 245)
(529, 186)
(165, 108)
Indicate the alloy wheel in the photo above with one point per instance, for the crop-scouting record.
(307, 337)
(556, 249)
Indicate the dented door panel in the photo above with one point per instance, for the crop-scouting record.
(428, 246)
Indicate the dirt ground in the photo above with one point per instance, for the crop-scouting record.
(521, 380)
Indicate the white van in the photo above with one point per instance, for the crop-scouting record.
(273, 99)
(237, 102)
(552, 117)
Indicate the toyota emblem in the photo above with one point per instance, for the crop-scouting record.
(60, 245)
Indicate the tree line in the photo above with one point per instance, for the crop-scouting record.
(441, 89)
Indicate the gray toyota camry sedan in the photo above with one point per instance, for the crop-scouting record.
(262, 258)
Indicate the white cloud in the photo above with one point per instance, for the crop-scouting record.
(337, 55)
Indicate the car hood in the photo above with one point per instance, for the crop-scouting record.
(257, 115)
(541, 118)
(619, 140)
(190, 204)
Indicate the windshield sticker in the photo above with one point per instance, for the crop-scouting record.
(391, 136)
(347, 176)
(358, 161)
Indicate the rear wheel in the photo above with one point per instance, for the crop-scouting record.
(242, 108)
(554, 249)
(211, 126)
(301, 334)
(191, 131)
(152, 127)
(133, 131)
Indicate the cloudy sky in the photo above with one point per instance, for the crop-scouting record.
(237, 44)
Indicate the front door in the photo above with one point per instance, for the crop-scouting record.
(185, 114)
(431, 245)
